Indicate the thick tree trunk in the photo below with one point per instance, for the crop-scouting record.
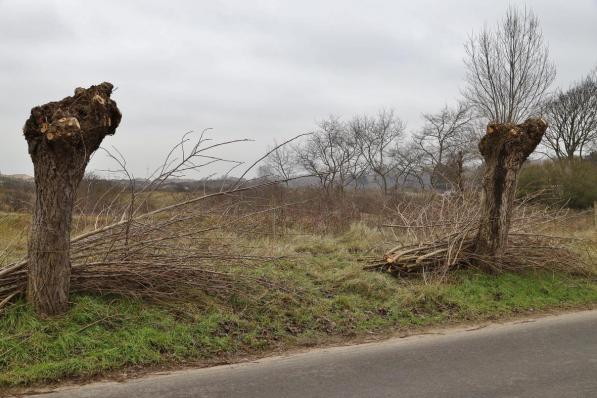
(61, 137)
(505, 147)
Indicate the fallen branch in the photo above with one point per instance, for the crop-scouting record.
(176, 252)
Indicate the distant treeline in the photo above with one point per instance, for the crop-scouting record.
(18, 194)
(572, 183)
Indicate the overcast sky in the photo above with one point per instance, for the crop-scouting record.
(257, 69)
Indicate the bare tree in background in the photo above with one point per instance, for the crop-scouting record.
(357, 168)
(280, 163)
(572, 117)
(376, 137)
(444, 142)
(329, 154)
(408, 165)
(508, 70)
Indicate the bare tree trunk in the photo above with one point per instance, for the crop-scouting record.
(61, 137)
(460, 172)
(505, 147)
(385, 184)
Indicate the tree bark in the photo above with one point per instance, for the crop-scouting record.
(460, 172)
(61, 137)
(505, 147)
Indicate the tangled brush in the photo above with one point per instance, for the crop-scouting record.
(178, 251)
(438, 235)
(167, 255)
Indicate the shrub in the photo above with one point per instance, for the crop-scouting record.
(573, 183)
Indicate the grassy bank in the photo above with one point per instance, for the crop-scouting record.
(331, 300)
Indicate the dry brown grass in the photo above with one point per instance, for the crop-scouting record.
(200, 247)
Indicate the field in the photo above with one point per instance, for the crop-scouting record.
(254, 202)
(321, 296)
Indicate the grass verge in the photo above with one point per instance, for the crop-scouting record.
(330, 300)
(102, 334)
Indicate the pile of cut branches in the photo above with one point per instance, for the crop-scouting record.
(438, 234)
(166, 255)
(181, 251)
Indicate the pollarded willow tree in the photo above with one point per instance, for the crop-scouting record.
(61, 137)
(508, 75)
(504, 147)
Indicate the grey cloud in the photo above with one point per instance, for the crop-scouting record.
(31, 24)
(258, 69)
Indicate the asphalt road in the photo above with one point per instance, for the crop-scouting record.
(549, 357)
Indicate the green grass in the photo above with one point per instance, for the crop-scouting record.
(338, 302)
(330, 300)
